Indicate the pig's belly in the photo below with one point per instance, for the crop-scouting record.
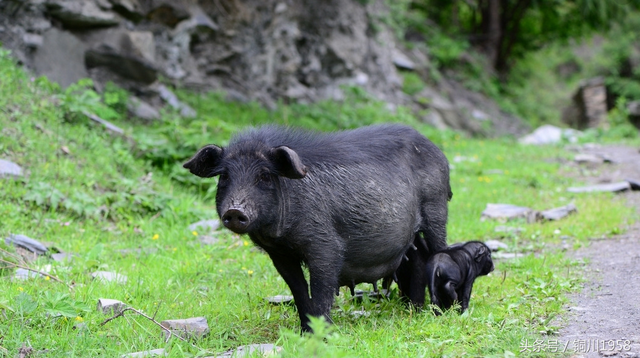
(354, 273)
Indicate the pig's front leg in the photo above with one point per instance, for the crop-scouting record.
(291, 271)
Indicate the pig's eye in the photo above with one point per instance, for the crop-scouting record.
(265, 178)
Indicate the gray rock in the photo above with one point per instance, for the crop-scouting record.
(60, 58)
(140, 109)
(172, 100)
(251, 350)
(107, 276)
(27, 243)
(559, 213)
(507, 212)
(130, 54)
(588, 158)
(9, 169)
(81, 13)
(611, 187)
(205, 225)
(208, 239)
(549, 134)
(372, 295)
(62, 257)
(402, 61)
(23, 274)
(188, 328)
(280, 299)
(110, 307)
(589, 107)
(152, 353)
(106, 124)
(509, 229)
(32, 40)
(495, 245)
(507, 255)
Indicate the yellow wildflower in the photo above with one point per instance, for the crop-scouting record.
(20, 289)
(245, 243)
(155, 237)
(79, 319)
(195, 233)
(250, 272)
(47, 278)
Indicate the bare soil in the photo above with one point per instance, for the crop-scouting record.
(603, 319)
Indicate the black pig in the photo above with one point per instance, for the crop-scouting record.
(452, 272)
(348, 205)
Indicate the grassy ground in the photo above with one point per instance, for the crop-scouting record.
(95, 194)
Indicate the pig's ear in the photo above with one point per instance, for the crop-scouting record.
(205, 162)
(482, 251)
(287, 162)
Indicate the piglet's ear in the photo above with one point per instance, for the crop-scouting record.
(205, 162)
(287, 162)
(482, 251)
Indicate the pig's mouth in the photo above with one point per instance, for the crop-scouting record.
(236, 220)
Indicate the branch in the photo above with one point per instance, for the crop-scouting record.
(152, 319)
(37, 271)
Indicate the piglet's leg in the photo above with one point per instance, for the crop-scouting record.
(466, 294)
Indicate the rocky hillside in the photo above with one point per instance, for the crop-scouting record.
(254, 50)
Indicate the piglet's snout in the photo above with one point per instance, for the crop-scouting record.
(235, 220)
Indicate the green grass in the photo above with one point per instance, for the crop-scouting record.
(108, 195)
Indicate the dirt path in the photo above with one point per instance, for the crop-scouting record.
(604, 318)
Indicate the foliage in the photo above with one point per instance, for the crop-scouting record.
(508, 30)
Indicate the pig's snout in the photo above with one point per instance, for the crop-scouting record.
(235, 220)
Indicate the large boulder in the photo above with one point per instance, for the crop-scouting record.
(60, 57)
(81, 13)
(130, 54)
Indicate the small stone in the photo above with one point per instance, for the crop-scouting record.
(549, 134)
(62, 257)
(495, 245)
(109, 277)
(402, 61)
(110, 307)
(139, 251)
(588, 158)
(251, 350)
(151, 353)
(507, 212)
(9, 169)
(24, 274)
(559, 213)
(140, 109)
(612, 187)
(196, 327)
(27, 243)
(208, 239)
(32, 40)
(280, 299)
(359, 295)
(509, 229)
(506, 255)
(205, 225)
(361, 313)
(172, 100)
